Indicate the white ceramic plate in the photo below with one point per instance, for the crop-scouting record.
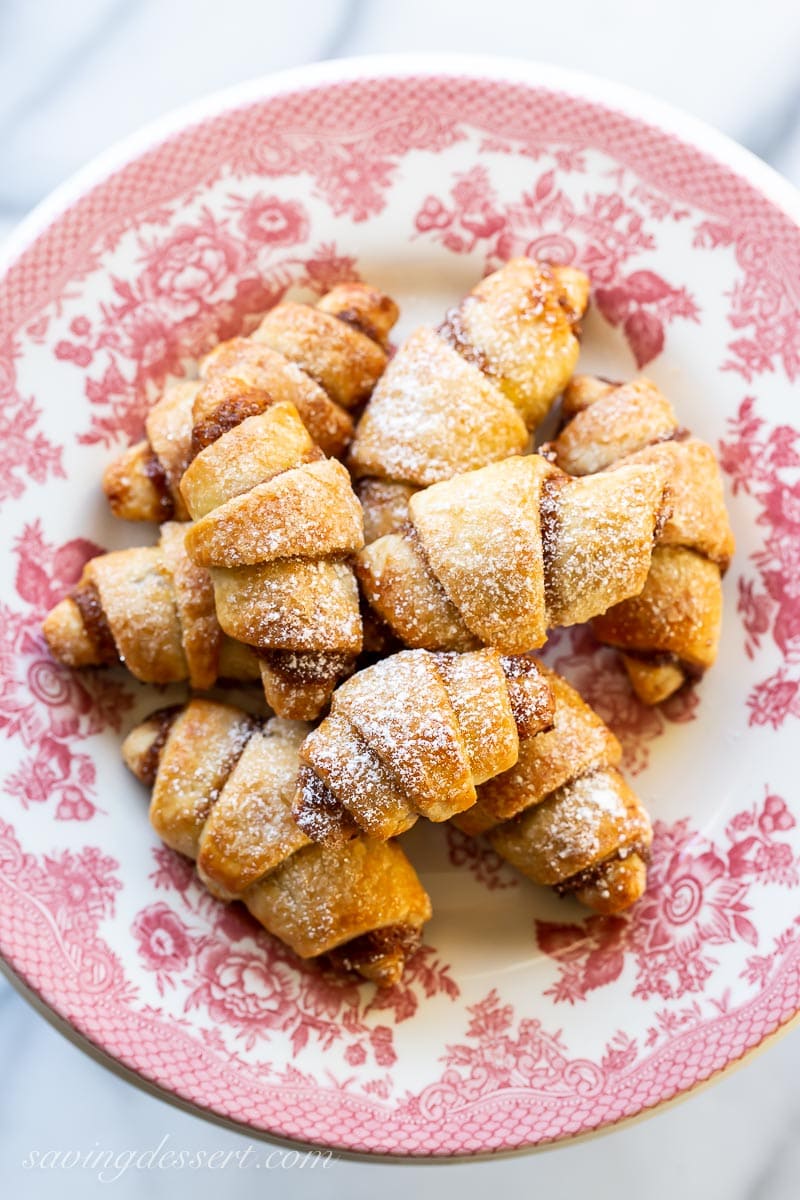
(523, 1020)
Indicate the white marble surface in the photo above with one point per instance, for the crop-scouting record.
(76, 76)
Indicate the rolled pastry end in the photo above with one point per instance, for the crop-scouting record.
(380, 956)
(142, 748)
(575, 286)
(590, 838)
(612, 886)
(345, 900)
(581, 392)
(319, 813)
(137, 489)
(654, 681)
(67, 636)
(299, 686)
(362, 306)
(669, 632)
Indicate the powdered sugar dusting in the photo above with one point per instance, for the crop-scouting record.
(598, 540)
(432, 416)
(578, 825)
(400, 707)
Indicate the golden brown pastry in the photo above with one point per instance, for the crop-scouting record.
(520, 325)
(324, 358)
(414, 735)
(274, 522)
(669, 633)
(563, 814)
(152, 609)
(468, 394)
(385, 505)
(143, 483)
(222, 791)
(499, 555)
(340, 342)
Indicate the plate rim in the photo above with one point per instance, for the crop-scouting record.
(114, 1067)
(638, 105)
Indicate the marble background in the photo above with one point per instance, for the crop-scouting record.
(76, 76)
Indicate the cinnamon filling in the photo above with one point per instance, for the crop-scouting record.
(408, 532)
(572, 315)
(87, 599)
(679, 434)
(548, 523)
(158, 478)
(453, 332)
(313, 667)
(666, 658)
(662, 516)
(227, 415)
(148, 767)
(531, 706)
(534, 297)
(358, 320)
(593, 874)
(320, 815)
(355, 957)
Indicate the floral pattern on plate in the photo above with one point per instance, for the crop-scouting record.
(523, 1019)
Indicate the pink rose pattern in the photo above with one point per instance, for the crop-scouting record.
(48, 707)
(762, 461)
(600, 234)
(26, 454)
(696, 900)
(164, 942)
(75, 891)
(762, 305)
(197, 284)
(223, 964)
(271, 221)
(599, 675)
(503, 1053)
(209, 276)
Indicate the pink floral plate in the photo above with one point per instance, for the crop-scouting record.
(523, 1020)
